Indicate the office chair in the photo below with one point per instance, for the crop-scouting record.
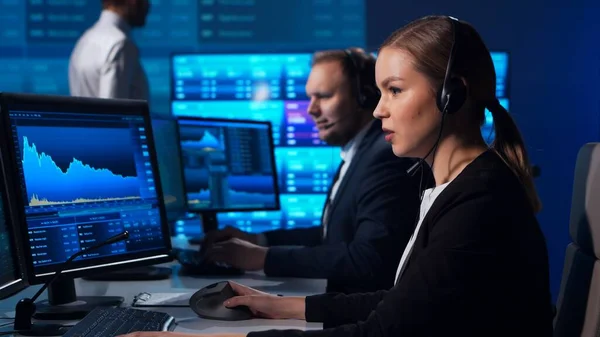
(578, 305)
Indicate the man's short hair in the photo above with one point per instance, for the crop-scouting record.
(359, 67)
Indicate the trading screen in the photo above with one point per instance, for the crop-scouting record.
(264, 87)
(84, 179)
(228, 165)
(37, 37)
(501, 64)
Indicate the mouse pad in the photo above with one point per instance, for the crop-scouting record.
(145, 299)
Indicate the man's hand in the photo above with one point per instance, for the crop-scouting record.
(238, 253)
(227, 233)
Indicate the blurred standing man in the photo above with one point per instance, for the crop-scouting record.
(105, 62)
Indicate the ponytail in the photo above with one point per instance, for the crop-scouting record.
(509, 145)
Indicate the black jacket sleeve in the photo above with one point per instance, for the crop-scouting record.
(439, 291)
(387, 206)
(357, 307)
(312, 236)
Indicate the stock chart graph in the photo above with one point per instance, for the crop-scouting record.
(48, 184)
(227, 165)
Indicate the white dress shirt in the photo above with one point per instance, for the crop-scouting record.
(105, 62)
(429, 196)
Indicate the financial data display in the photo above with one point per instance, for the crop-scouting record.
(501, 65)
(84, 179)
(227, 165)
(262, 87)
(37, 36)
(8, 260)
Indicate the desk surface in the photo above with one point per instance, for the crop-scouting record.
(187, 320)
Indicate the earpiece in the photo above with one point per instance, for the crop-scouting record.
(453, 93)
(364, 95)
(450, 97)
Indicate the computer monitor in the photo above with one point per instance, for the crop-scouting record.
(12, 278)
(501, 65)
(87, 171)
(228, 166)
(261, 87)
(167, 152)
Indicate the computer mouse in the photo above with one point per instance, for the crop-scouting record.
(208, 303)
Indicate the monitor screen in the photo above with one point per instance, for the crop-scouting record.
(11, 279)
(228, 165)
(167, 152)
(261, 87)
(501, 64)
(87, 171)
(37, 37)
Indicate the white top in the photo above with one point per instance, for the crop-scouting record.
(347, 154)
(429, 196)
(105, 62)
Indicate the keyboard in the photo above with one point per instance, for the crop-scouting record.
(109, 322)
(193, 263)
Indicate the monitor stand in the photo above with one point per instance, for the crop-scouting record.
(64, 304)
(147, 273)
(209, 223)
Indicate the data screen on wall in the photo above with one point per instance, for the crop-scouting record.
(37, 36)
(501, 64)
(262, 87)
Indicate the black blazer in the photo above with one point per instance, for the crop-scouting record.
(370, 221)
(479, 268)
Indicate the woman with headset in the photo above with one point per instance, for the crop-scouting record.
(477, 263)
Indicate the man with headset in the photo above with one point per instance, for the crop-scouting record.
(371, 207)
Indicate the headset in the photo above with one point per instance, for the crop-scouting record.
(364, 95)
(451, 96)
(453, 93)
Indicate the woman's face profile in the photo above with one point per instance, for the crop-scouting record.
(407, 108)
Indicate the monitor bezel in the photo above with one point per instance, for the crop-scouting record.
(12, 225)
(173, 55)
(85, 105)
(269, 125)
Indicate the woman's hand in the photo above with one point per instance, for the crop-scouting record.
(265, 305)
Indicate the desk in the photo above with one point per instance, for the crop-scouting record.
(187, 320)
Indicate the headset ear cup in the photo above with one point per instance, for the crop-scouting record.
(453, 97)
(362, 100)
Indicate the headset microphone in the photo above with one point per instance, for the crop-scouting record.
(416, 166)
(413, 169)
